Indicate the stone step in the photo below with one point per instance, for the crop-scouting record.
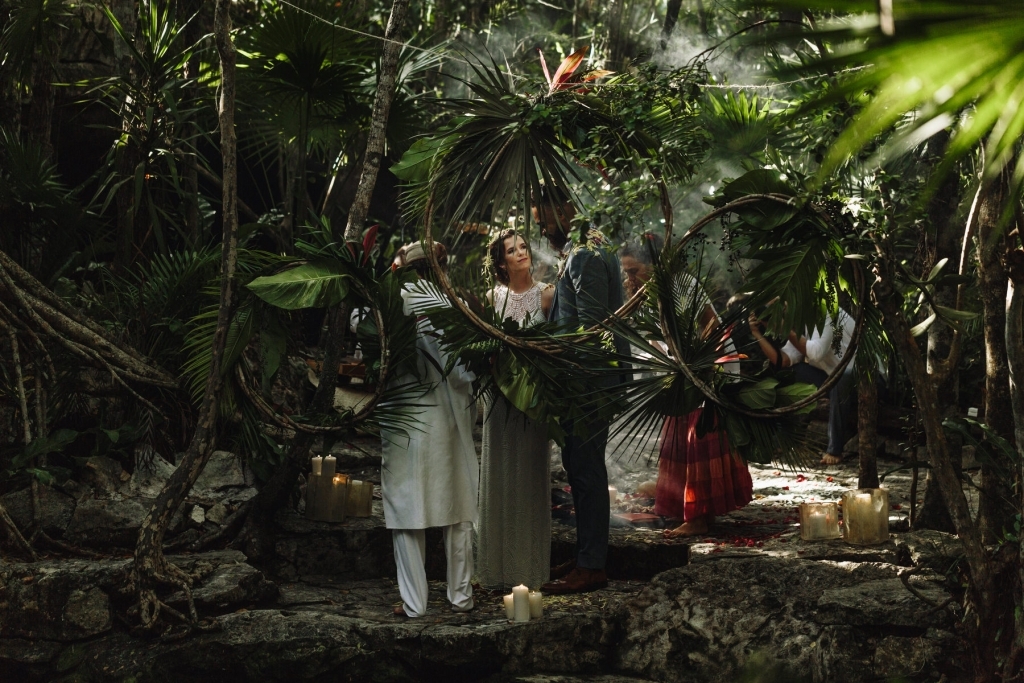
(757, 618)
(360, 548)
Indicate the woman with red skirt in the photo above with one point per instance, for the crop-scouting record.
(699, 478)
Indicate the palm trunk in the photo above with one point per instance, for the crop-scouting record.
(150, 565)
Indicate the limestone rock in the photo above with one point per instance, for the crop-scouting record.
(197, 516)
(55, 509)
(149, 476)
(103, 474)
(227, 581)
(217, 514)
(108, 521)
(929, 549)
(222, 470)
(87, 611)
(61, 600)
(704, 621)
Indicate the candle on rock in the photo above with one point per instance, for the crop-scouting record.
(866, 516)
(521, 603)
(510, 612)
(330, 466)
(317, 463)
(536, 604)
(819, 521)
(338, 498)
(613, 494)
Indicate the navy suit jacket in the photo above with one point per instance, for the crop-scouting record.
(588, 291)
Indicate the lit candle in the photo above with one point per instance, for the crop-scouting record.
(317, 464)
(510, 612)
(330, 466)
(521, 603)
(817, 524)
(338, 498)
(613, 494)
(536, 604)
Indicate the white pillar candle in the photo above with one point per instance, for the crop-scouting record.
(330, 466)
(536, 604)
(613, 494)
(510, 612)
(521, 603)
(317, 462)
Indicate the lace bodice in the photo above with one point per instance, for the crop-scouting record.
(524, 308)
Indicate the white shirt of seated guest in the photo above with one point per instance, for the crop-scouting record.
(819, 344)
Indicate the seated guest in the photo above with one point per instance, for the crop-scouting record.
(813, 358)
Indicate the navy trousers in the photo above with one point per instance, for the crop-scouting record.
(842, 403)
(583, 460)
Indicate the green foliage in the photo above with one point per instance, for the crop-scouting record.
(154, 107)
(31, 28)
(947, 65)
(499, 147)
(309, 285)
(41, 214)
(797, 248)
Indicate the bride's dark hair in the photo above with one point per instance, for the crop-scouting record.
(496, 251)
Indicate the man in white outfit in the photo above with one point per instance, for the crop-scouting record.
(430, 475)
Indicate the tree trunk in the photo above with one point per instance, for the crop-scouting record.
(997, 475)
(671, 18)
(150, 565)
(378, 122)
(253, 536)
(1015, 360)
(934, 513)
(984, 621)
(867, 428)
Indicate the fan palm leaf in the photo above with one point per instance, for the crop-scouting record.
(943, 64)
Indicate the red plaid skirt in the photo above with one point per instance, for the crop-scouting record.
(698, 477)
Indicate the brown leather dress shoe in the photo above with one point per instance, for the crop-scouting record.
(560, 571)
(579, 580)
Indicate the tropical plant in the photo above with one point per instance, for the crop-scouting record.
(144, 166)
(934, 65)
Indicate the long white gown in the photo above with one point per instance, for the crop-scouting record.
(429, 476)
(514, 533)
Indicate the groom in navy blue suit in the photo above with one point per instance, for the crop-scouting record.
(588, 290)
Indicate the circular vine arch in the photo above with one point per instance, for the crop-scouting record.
(552, 349)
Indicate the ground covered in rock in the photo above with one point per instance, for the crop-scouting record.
(749, 601)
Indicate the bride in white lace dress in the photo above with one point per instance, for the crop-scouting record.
(514, 533)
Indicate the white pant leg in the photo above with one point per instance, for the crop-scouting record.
(458, 547)
(410, 554)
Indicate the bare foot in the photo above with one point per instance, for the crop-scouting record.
(694, 528)
(647, 489)
(829, 459)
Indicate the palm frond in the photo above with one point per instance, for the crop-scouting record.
(945, 65)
